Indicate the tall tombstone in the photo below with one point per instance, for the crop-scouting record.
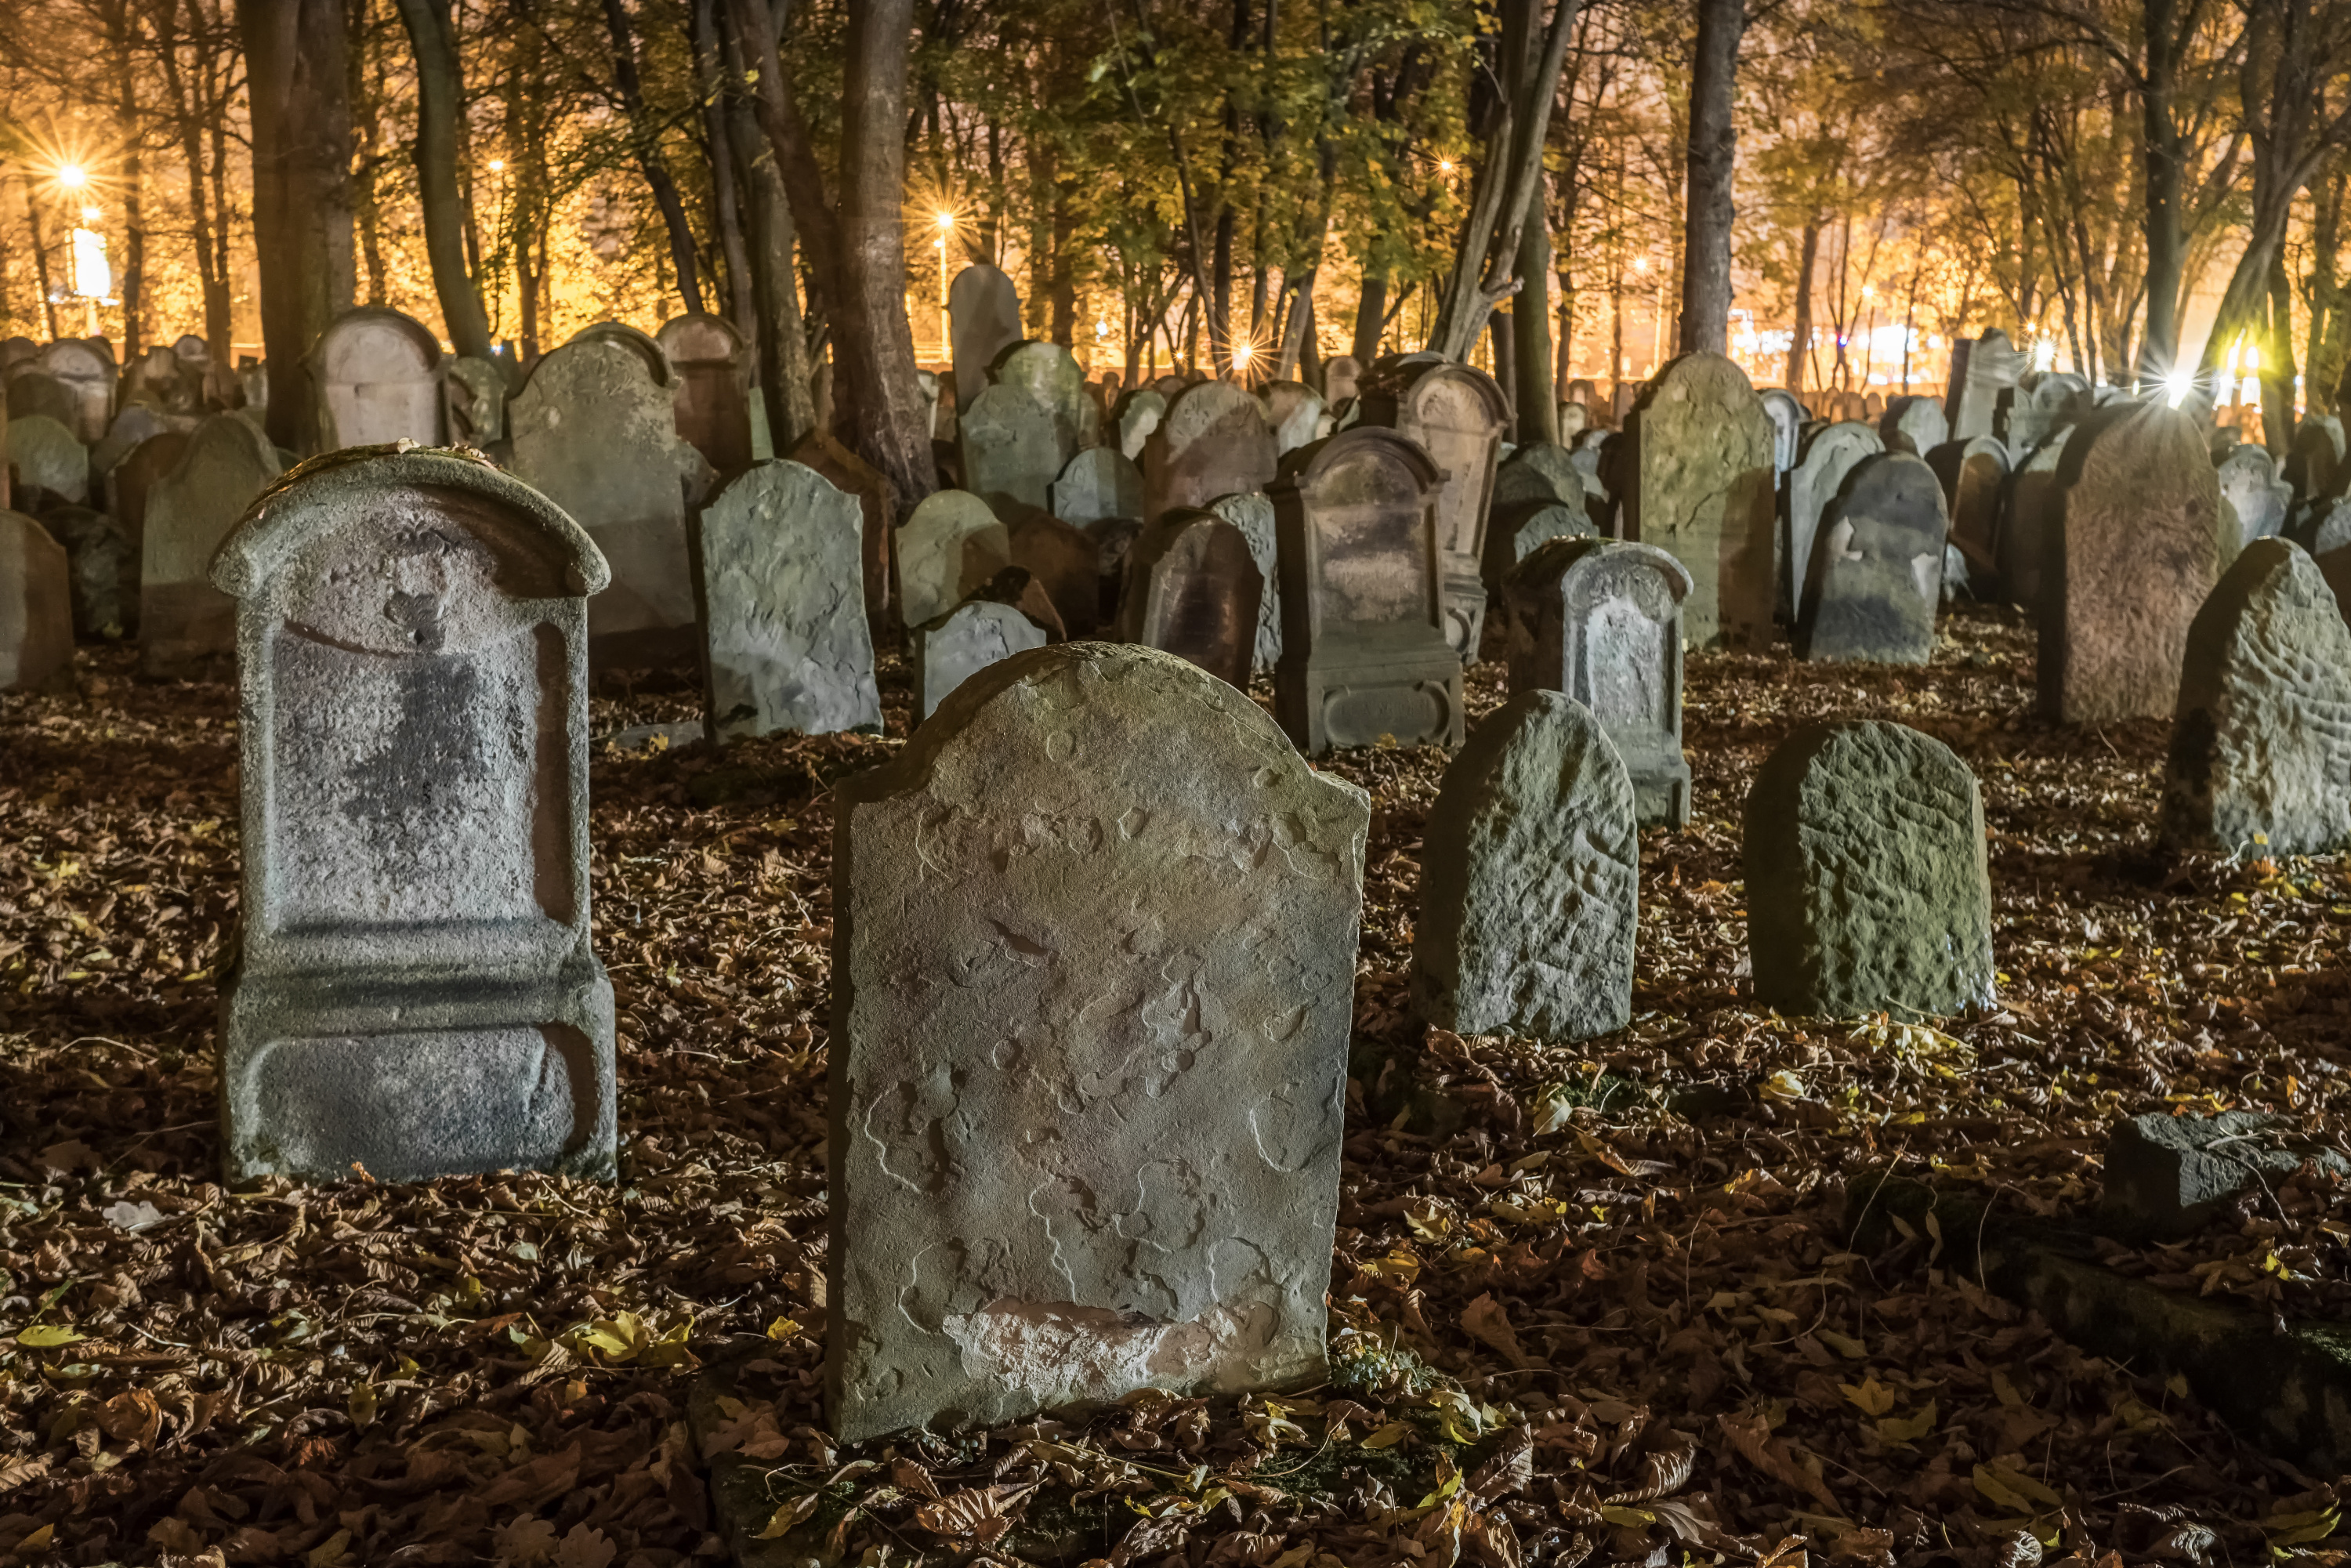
(1975, 479)
(983, 321)
(476, 390)
(34, 393)
(2136, 550)
(2028, 518)
(1342, 378)
(1134, 417)
(1294, 411)
(416, 995)
(1531, 880)
(1876, 576)
(1913, 425)
(1019, 432)
(184, 620)
(1214, 442)
(706, 353)
(377, 375)
(1984, 373)
(786, 645)
(1096, 484)
(1193, 589)
(132, 480)
(1600, 620)
(1596, 456)
(1866, 884)
(37, 632)
(594, 430)
(947, 650)
(2258, 499)
(1828, 457)
(1050, 375)
(1787, 416)
(877, 500)
(52, 464)
(87, 371)
(1701, 489)
(1065, 561)
(2261, 742)
(1253, 515)
(1037, 1198)
(1458, 414)
(951, 546)
(1364, 652)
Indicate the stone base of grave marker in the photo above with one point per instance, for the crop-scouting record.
(1378, 684)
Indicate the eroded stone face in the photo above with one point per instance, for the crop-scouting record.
(189, 512)
(950, 547)
(1878, 571)
(950, 650)
(379, 378)
(1214, 440)
(1089, 1055)
(1457, 415)
(1828, 458)
(1701, 489)
(52, 464)
(1192, 591)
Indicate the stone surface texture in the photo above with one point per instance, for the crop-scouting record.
(1090, 1048)
(182, 615)
(2028, 522)
(713, 388)
(1253, 515)
(984, 319)
(52, 464)
(1876, 576)
(1065, 561)
(378, 378)
(476, 388)
(950, 650)
(2167, 1175)
(2259, 499)
(951, 546)
(1138, 414)
(87, 371)
(37, 633)
(1701, 489)
(1192, 589)
(1830, 456)
(1098, 483)
(1982, 380)
(1913, 425)
(876, 498)
(1213, 441)
(1974, 475)
(1457, 415)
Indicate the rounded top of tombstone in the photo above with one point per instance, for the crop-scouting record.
(1309, 467)
(630, 338)
(1190, 412)
(366, 327)
(699, 337)
(977, 279)
(960, 510)
(316, 495)
(192, 349)
(1554, 561)
(77, 359)
(1045, 371)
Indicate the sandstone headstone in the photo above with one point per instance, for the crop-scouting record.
(37, 634)
(184, 620)
(1089, 1057)
(1700, 465)
(1065, 561)
(1983, 375)
(476, 391)
(377, 375)
(1531, 874)
(876, 500)
(783, 607)
(984, 319)
(1096, 484)
(1363, 650)
(951, 649)
(1138, 414)
(1913, 425)
(88, 371)
(705, 354)
(1294, 412)
(949, 548)
(1787, 416)
(1876, 575)
(1866, 887)
(416, 995)
(2136, 551)
(1253, 515)
(1457, 415)
(2261, 744)
(1828, 458)
(1213, 441)
(1193, 589)
(2258, 499)
(52, 464)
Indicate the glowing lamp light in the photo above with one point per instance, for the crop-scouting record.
(1444, 167)
(1243, 354)
(2252, 359)
(72, 176)
(2177, 385)
(93, 277)
(497, 165)
(946, 220)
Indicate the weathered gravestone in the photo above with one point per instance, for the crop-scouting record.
(2261, 744)
(1574, 419)
(137, 423)
(134, 479)
(949, 650)
(476, 391)
(951, 546)
(1137, 414)
(2169, 1175)
(984, 319)
(159, 379)
(876, 500)
(37, 634)
(1253, 515)
(2028, 518)
(104, 573)
(2043, 401)
(1517, 532)
(1787, 416)
(183, 617)
(2314, 462)
(1097, 485)
(1531, 874)
(1828, 457)
(1537, 496)
(1457, 415)
(1294, 412)
(1214, 442)
(1600, 622)
(1064, 562)
(34, 393)
(1876, 575)
(377, 375)
(1913, 425)
(1342, 378)
(1090, 1046)
(2136, 551)
(1018, 434)
(1867, 888)
(1974, 477)
(595, 431)
(1984, 374)
(2258, 499)
(713, 388)
(1597, 453)
(1700, 462)
(416, 995)
(87, 371)
(1364, 652)
(783, 607)
(52, 464)
(1193, 589)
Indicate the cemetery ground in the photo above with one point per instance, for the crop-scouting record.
(1597, 1304)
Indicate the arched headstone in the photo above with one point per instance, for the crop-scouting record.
(377, 375)
(951, 546)
(1458, 414)
(184, 620)
(1213, 441)
(52, 464)
(1787, 416)
(713, 388)
(984, 319)
(2257, 497)
(1974, 475)
(133, 479)
(1876, 575)
(1828, 457)
(87, 369)
(477, 401)
(950, 649)
(1701, 488)
(1252, 514)
(37, 633)
(1193, 589)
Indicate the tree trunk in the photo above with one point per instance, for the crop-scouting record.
(188, 116)
(726, 194)
(1808, 257)
(440, 97)
(2277, 364)
(1371, 316)
(784, 367)
(1713, 143)
(2164, 155)
(134, 227)
(647, 140)
(1538, 406)
(301, 207)
(41, 262)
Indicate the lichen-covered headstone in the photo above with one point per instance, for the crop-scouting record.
(2261, 744)
(1702, 489)
(377, 375)
(2169, 1175)
(1363, 650)
(1531, 872)
(1089, 1055)
(1820, 473)
(1457, 415)
(713, 388)
(52, 464)
(1984, 374)
(1253, 515)
(1876, 576)
(1097, 484)
(2258, 499)
(1913, 425)
(1192, 589)
(37, 634)
(1213, 441)
(949, 548)
(950, 649)
(183, 617)
(2136, 551)
(984, 319)
(783, 607)
(416, 994)
(1866, 887)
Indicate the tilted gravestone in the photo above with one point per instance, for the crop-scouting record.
(1984, 374)
(1828, 457)
(984, 319)
(1136, 416)
(476, 391)
(2258, 499)
(1293, 411)
(1066, 562)
(1089, 1042)
(783, 607)
(1701, 489)
(1192, 589)
(1517, 532)
(1253, 515)
(183, 617)
(949, 650)
(876, 500)
(1214, 442)
(1096, 484)
(1787, 416)
(377, 375)
(1913, 425)
(133, 479)
(2028, 518)
(37, 633)
(948, 548)
(1457, 415)
(713, 388)
(1529, 883)
(1974, 475)
(1365, 657)
(87, 372)
(1600, 622)
(2136, 550)
(1878, 569)
(1866, 887)
(594, 430)
(416, 995)
(52, 464)
(2261, 743)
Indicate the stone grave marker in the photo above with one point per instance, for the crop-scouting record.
(35, 393)
(984, 319)
(1600, 620)
(1114, 538)
(1012, 451)
(1876, 576)
(1787, 416)
(16, 351)
(1829, 457)
(2043, 401)
(476, 391)
(1294, 412)
(1582, 391)
(1873, 405)
(52, 464)
(1342, 377)
(159, 379)
(37, 633)
(416, 995)
(705, 354)
(1866, 887)
(1913, 425)
(1363, 650)
(1529, 883)
(184, 620)
(2028, 518)
(1193, 589)
(1051, 376)
(1253, 515)
(2136, 551)
(1136, 416)
(1974, 475)
(949, 650)
(2258, 499)
(876, 500)
(1594, 455)
(2314, 464)
(2261, 742)
(1538, 496)
(1983, 374)
(1517, 532)
(136, 423)
(1574, 419)
(594, 430)
(1097, 485)
(950, 547)
(1039, 1197)
(87, 371)
(104, 571)
(937, 419)
(1171, 385)
(1065, 562)
(1458, 414)
(1699, 460)
(134, 479)
(1213, 441)
(377, 375)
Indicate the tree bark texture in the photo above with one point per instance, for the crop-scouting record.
(440, 97)
(1537, 405)
(1713, 143)
(630, 82)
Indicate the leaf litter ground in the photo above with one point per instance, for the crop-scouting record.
(1591, 1304)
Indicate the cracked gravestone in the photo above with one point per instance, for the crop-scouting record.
(37, 634)
(1089, 1050)
(1193, 588)
(1457, 415)
(377, 375)
(183, 617)
(416, 995)
(1701, 489)
(1876, 575)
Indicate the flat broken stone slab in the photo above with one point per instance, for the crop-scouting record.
(2166, 1176)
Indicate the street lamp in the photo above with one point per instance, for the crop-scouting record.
(946, 222)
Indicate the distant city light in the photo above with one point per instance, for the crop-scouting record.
(1640, 263)
(1243, 354)
(2178, 384)
(93, 277)
(90, 214)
